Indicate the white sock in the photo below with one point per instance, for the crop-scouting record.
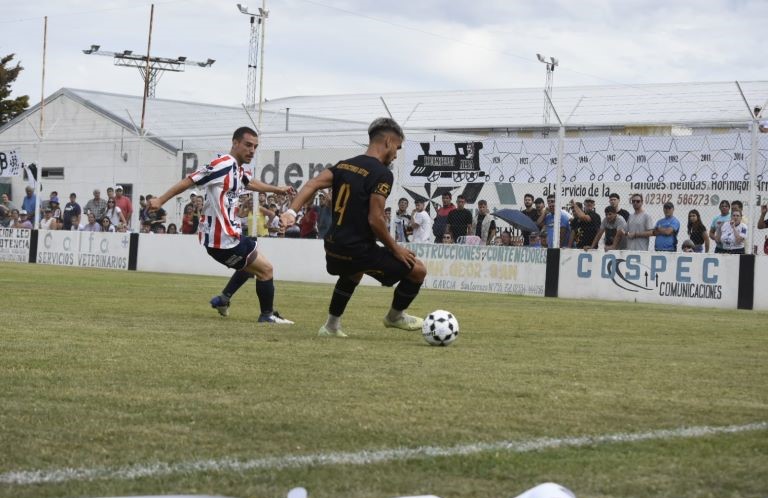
(394, 315)
(333, 322)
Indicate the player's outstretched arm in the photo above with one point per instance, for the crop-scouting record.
(179, 187)
(259, 186)
(321, 181)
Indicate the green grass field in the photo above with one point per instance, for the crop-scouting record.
(135, 382)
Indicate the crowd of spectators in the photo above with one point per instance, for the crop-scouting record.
(581, 225)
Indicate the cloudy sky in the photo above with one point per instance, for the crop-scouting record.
(370, 46)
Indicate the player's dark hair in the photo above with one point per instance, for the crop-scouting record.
(381, 126)
(242, 131)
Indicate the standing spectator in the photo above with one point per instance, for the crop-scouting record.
(124, 203)
(172, 229)
(586, 224)
(72, 208)
(192, 196)
(5, 202)
(421, 224)
(155, 216)
(55, 209)
(723, 217)
(97, 205)
(197, 215)
(762, 223)
(48, 222)
(143, 209)
(732, 235)
(20, 219)
(614, 199)
(762, 124)
(324, 214)
(402, 221)
(47, 203)
(113, 213)
(440, 224)
(666, 230)
(308, 224)
(29, 203)
(613, 226)
(697, 232)
(639, 226)
(547, 220)
(92, 225)
(110, 193)
(531, 212)
(5, 216)
(460, 220)
(484, 226)
(187, 224)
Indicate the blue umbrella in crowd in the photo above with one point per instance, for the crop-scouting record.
(517, 219)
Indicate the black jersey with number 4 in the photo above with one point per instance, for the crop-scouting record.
(355, 180)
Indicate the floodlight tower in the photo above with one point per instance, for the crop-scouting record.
(257, 19)
(551, 64)
(151, 68)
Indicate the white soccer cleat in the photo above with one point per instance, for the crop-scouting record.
(274, 318)
(405, 322)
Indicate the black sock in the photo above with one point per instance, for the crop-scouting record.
(236, 281)
(342, 293)
(265, 290)
(405, 292)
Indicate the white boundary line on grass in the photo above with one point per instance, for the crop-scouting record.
(365, 457)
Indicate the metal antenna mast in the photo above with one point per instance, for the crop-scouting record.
(149, 72)
(551, 64)
(257, 19)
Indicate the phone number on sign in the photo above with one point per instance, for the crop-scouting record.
(682, 199)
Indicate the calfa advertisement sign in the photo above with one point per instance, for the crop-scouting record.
(83, 249)
(651, 277)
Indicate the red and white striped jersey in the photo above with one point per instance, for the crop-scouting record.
(223, 180)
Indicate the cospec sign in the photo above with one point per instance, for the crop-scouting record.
(683, 278)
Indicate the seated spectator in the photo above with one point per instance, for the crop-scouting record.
(447, 238)
(146, 227)
(122, 228)
(534, 240)
(688, 246)
(158, 228)
(155, 216)
(56, 210)
(92, 225)
(48, 222)
(172, 229)
(506, 238)
(275, 228)
(106, 224)
(75, 224)
(762, 223)
(5, 216)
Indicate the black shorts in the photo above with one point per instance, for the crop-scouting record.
(377, 262)
(238, 257)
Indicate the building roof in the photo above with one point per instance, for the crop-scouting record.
(669, 104)
(173, 124)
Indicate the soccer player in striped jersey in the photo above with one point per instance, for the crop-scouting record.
(361, 186)
(223, 180)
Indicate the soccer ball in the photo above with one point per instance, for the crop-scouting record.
(440, 328)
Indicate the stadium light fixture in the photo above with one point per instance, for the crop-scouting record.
(550, 64)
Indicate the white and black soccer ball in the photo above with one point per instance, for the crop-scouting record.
(440, 328)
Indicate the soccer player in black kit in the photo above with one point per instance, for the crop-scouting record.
(361, 186)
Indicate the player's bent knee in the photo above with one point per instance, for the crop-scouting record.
(418, 272)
